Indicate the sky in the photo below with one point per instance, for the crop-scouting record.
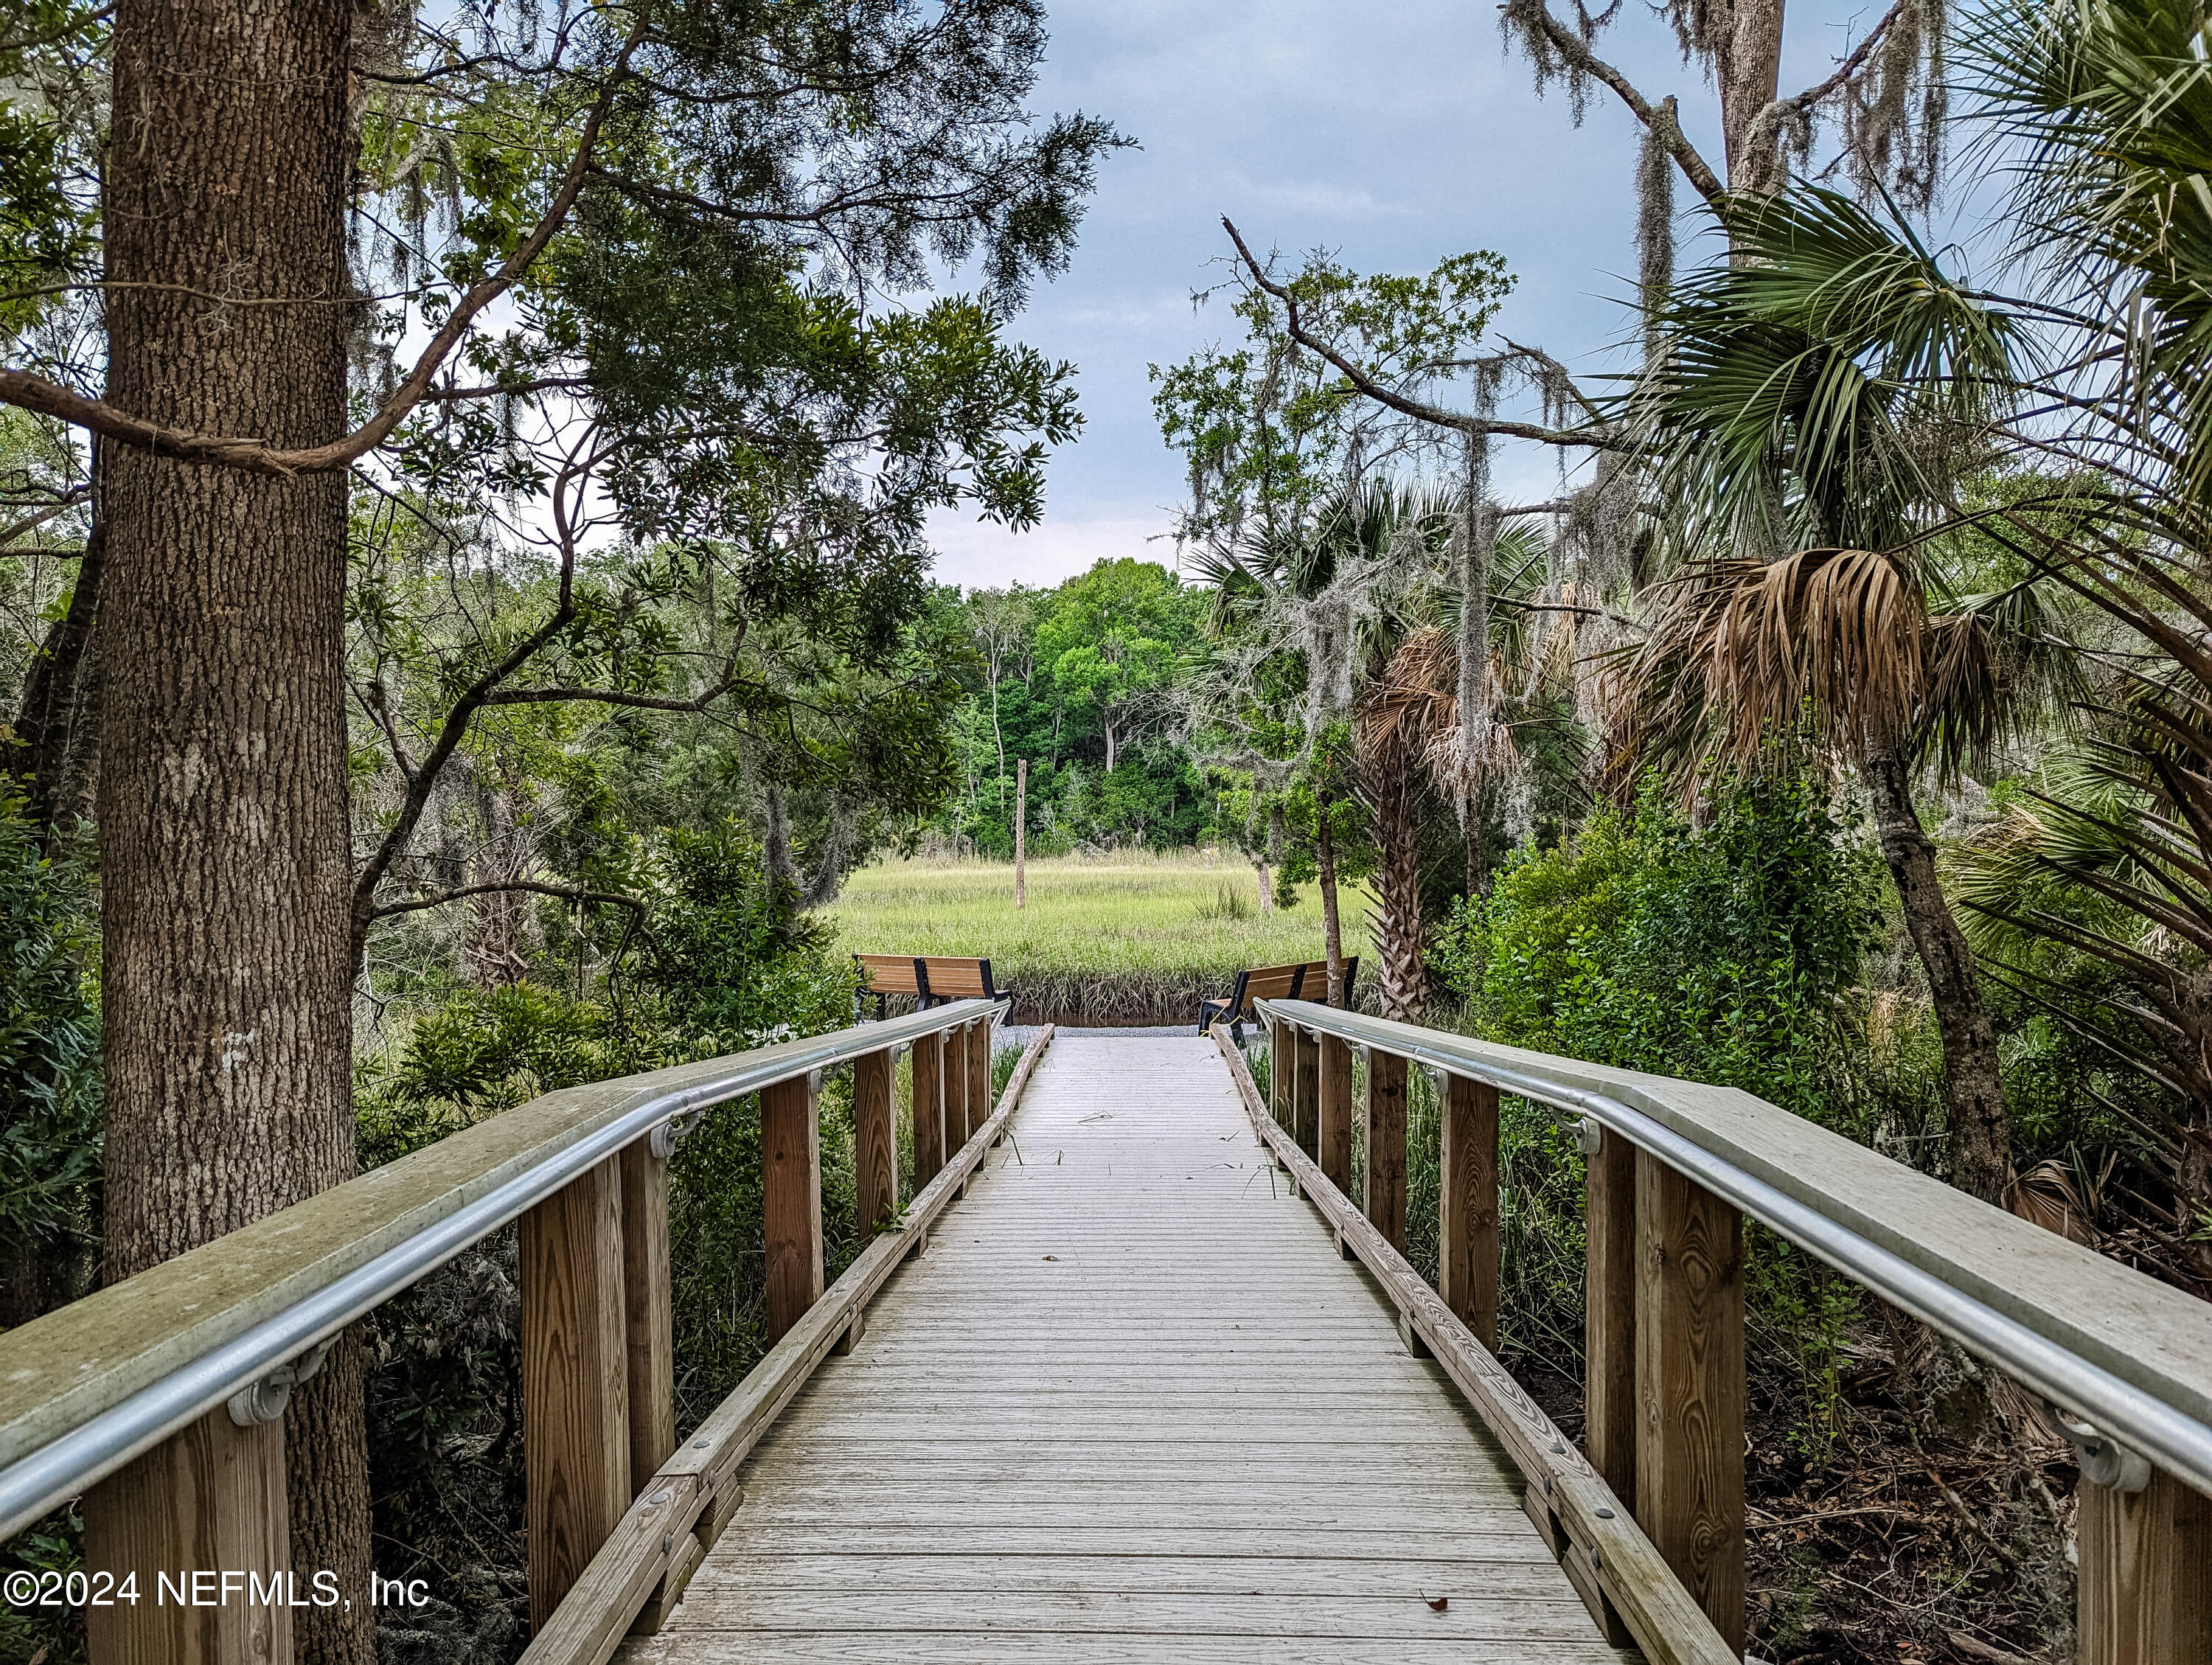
(1392, 133)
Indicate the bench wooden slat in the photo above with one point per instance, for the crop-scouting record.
(933, 978)
(957, 977)
(1307, 981)
(889, 973)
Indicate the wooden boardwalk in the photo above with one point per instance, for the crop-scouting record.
(1131, 1406)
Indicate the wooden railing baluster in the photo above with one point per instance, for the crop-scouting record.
(1609, 1315)
(953, 1048)
(1306, 1090)
(1282, 1081)
(2145, 1595)
(1467, 1205)
(926, 1090)
(1690, 1387)
(212, 1495)
(575, 1380)
(1385, 1203)
(646, 1316)
(790, 1200)
(875, 1142)
(1333, 1124)
(979, 1076)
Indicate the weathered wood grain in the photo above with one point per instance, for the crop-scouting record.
(643, 1564)
(575, 1381)
(2145, 1596)
(1129, 1395)
(955, 1066)
(875, 1143)
(1386, 1147)
(2145, 1331)
(1669, 1625)
(979, 1074)
(647, 1314)
(1690, 1387)
(1466, 1206)
(1335, 1126)
(926, 1092)
(791, 1200)
(207, 1498)
(1306, 1090)
(1609, 1315)
(63, 1369)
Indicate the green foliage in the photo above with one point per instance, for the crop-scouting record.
(1266, 428)
(734, 967)
(1718, 953)
(728, 968)
(50, 1075)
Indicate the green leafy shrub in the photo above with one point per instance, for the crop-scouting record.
(727, 967)
(1725, 953)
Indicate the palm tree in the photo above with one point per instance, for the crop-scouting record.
(1363, 590)
(1810, 458)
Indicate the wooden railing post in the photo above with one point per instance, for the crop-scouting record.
(575, 1380)
(646, 1316)
(790, 1200)
(2145, 1591)
(979, 1076)
(1385, 1204)
(953, 1047)
(1609, 1311)
(212, 1497)
(928, 1092)
(875, 1143)
(1306, 1090)
(1467, 1205)
(1690, 1387)
(1282, 1082)
(1334, 1127)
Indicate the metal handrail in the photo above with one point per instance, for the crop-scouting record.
(2120, 1410)
(105, 1441)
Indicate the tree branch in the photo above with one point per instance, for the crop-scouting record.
(567, 893)
(1759, 136)
(1534, 17)
(1420, 410)
(35, 393)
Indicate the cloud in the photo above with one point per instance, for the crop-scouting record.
(976, 555)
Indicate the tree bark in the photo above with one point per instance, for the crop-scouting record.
(1397, 915)
(1973, 1095)
(226, 863)
(1746, 41)
(52, 746)
(1332, 927)
(1022, 832)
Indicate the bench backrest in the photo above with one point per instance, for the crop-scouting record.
(1306, 982)
(958, 979)
(940, 976)
(888, 973)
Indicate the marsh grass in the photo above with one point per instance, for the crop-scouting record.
(1133, 938)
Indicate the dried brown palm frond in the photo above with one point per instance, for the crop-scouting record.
(1744, 655)
(1402, 710)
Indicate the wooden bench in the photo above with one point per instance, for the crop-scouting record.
(932, 979)
(1309, 982)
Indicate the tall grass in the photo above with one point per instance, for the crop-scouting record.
(1133, 938)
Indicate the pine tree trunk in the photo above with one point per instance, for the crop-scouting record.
(225, 864)
(1332, 925)
(1981, 1136)
(1746, 42)
(1397, 913)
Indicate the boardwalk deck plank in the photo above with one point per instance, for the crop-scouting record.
(1192, 1434)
